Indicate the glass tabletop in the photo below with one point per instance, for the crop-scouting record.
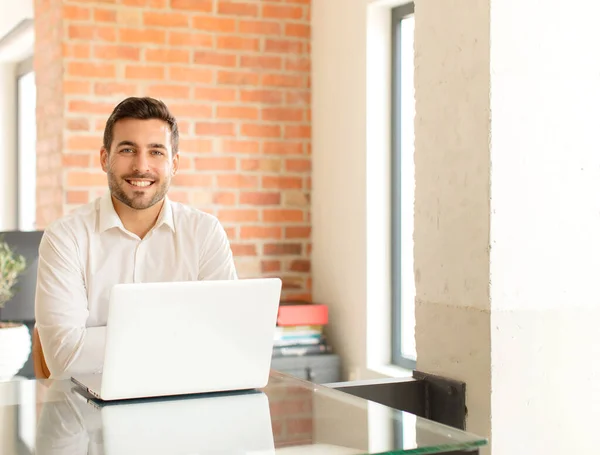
(288, 417)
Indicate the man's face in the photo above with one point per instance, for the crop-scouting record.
(140, 163)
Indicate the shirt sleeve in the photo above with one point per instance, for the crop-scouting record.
(61, 310)
(217, 261)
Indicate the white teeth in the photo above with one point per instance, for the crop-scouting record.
(140, 183)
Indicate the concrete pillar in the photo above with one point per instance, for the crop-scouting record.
(507, 215)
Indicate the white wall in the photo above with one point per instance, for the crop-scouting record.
(350, 199)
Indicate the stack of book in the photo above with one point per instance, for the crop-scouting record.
(299, 330)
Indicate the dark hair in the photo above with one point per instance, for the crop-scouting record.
(143, 109)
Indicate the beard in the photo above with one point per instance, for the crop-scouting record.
(139, 200)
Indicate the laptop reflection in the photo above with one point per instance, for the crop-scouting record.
(223, 423)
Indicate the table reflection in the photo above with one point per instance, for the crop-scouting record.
(72, 424)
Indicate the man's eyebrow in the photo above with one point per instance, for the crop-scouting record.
(133, 144)
(156, 146)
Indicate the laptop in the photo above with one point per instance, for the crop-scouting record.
(189, 337)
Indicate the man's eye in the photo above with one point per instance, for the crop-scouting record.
(128, 150)
(157, 152)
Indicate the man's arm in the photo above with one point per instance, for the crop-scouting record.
(217, 260)
(61, 310)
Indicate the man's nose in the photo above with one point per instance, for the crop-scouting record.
(141, 162)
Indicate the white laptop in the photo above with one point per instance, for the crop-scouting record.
(188, 337)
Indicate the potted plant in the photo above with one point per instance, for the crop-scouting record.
(15, 340)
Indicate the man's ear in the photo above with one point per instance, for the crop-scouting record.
(104, 159)
(175, 163)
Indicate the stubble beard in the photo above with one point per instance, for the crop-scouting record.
(139, 201)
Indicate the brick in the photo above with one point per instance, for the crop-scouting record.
(237, 181)
(148, 72)
(298, 165)
(88, 107)
(261, 62)
(282, 114)
(298, 97)
(77, 143)
(267, 165)
(297, 232)
(107, 33)
(299, 426)
(298, 64)
(88, 70)
(77, 87)
(237, 78)
(215, 58)
(214, 24)
(285, 46)
(260, 198)
(295, 199)
(300, 265)
(193, 180)
(169, 91)
(129, 16)
(270, 267)
(85, 179)
(240, 146)
(180, 196)
(215, 164)
(261, 96)
(239, 249)
(265, 131)
(238, 215)
(186, 163)
(146, 3)
(260, 232)
(215, 129)
(283, 216)
(282, 12)
(190, 74)
(190, 110)
(283, 80)
(167, 55)
(238, 43)
(76, 160)
(190, 39)
(283, 148)
(195, 145)
(259, 27)
(77, 197)
(76, 50)
(105, 15)
(164, 19)
(297, 30)
(78, 124)
(237, 8)
(224, 198)
(142, 36)
(72, 12)
(282, 249)
(116, 52)
(193, 5)
(281, 182)
(297, 132)
(80, 32)
(237, 112)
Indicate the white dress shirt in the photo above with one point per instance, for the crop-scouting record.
(85, 253)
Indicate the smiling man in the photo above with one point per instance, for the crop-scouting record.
(133, 233)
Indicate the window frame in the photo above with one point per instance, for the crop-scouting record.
(22, 68)
(399, 13)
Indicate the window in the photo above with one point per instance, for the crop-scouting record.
(403, 187)
(26, 151)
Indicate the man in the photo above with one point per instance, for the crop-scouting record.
(131, 234)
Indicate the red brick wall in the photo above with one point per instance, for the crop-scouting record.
(237, 76)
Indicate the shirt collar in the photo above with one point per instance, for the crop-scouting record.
(108, 217)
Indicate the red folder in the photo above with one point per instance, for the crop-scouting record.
(306, 314)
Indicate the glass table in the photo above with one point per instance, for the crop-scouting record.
(288, 417)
